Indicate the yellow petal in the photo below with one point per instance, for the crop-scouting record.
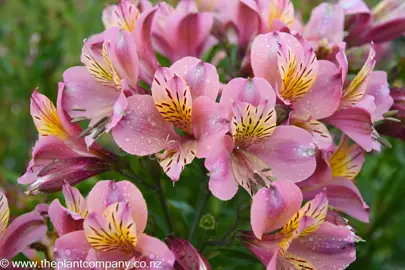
(282, 10)
(4, 213)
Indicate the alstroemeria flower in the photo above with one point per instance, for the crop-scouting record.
(278, 15)
(365, 99)
(183, 97)
(335, 173)
(187, 257)
(22, 231)
(182, 32)
(70, 218)
(384, 23)
(60, 154)
(98, 91)
(136, 18)
(256, 150)
(305, 240)
(113, 228)
(308, 87)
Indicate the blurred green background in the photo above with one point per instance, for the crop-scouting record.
(39, 39)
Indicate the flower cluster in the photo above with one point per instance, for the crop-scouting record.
(268, 102)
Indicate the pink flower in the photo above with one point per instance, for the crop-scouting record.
(60, 153)
(309, 88)
(335, 173)
(256, 150)
(115, 216)
(365, 99)
(304, 240)
(22, 231)
(183, 97)
(99, 90)
(182, 32)
(187, 257)
(384, 23)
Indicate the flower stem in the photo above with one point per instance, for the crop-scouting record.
(200, 208)
(163, 202)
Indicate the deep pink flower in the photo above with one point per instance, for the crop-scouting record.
(182, 32)
(384, 23)
(364, 100)
(335, 173)
(187, 257)
(60, 154)
(256, 150)
(113, 228)
(305, 240)
(99, 90)
(22, 231)
(183, 97)
(308, 87)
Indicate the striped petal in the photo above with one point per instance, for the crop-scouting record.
(252, 125)
(318, 130)
(298, 262)
(281, 10)
(115, 230)
(46, 117)
(4, 212)
(74, 200)
(172, 98)
(174, 160)
(358, 86)
(124, 15)
(297, 76)
(347, 160)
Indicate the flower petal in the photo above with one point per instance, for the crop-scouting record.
(318, 130)
(201, 77)
(378, 88)
(142, 131)
(71, 247)
(4, 213)
(289, 152)
(62, 220)
(174, 160)
(222, 182)
(124, 15)
(108, 192)
(74, 200)
(280, 11)
(21, 233)
(186, 255)
(323, 99)
(152, 249)
(115, 230)
(329, 247)
(272, 207)
(253, 91)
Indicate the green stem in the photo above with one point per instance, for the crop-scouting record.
(200, 208)
(163, 202)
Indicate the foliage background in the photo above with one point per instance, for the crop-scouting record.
(39, 39)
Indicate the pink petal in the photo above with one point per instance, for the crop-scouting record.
(289, 152)
(323, 99)
(71, 247)
(147, 56)
(152, 249)
(61, 219)
(266, 250)
(387, 31)
(107, 192)
(186, 255)
(210, 120)
(344, 196)
(326, 21)
(142, 131)
(329, 247)
(120, 108)
(82, 92)
(21, 233)
(201, 77)
(222, 183)
(272, 207)
(356, 123)
(248, 22)
(73, 129)
(264, 55)
(123, 54)
(46, 150)
(378, 88)
(253, 91)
